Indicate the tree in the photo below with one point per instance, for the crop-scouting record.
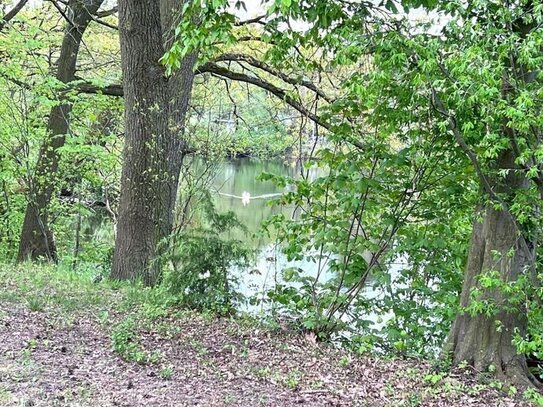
(155, 109)
(475, 89)
(503, 248)
(156, 106)
(12, 13)
(36, 239)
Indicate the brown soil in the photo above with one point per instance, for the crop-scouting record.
(51, 358)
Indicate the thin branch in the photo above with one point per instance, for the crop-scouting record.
(104, 23)
(81, 87)
(257, 19)
(108, 90)
(438, 105)
(212, 67)
(106, 13)
(453, 126)
(245, 38)
(116, 90)
(63, 13)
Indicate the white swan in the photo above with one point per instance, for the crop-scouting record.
(246, 196)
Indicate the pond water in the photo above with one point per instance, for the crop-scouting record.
(237, 189)
(237, 179)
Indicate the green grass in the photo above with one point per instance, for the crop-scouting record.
(41, 286)
(5, 395)
(122, 309)
(166, 372)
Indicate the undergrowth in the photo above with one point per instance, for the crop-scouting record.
(125, 311)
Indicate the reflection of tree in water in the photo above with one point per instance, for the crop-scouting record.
(239, 178)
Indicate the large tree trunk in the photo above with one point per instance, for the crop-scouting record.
(485, 342)
(155, 108)
(37, 240)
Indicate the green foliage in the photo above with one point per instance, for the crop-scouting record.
(374, 206)
(124, 340)
(424, 298)
(399, 182)
(89, 166)
(527, 292)
(201, 259)
(534, 396)
(238, 124)
(202, 26)
(36, 303)
(416, 123)
(433, 378)
(292, 380)
(166, 372)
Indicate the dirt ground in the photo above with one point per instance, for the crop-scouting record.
(50, 358)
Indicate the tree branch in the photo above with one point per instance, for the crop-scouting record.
(257, 19)
(213, 68)
(109, 90)
(439, 106)
(267, 68)
(62, 13)
(222, 72)
(12, 13)
(78, 86)
(105, 24)
(106, 13)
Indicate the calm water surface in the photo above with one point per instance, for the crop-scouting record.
(236, 188)
(238, 178)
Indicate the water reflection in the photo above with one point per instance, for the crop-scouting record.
(239, 176)
(233, 179)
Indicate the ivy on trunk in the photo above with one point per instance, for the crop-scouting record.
(155, 109)
(37, 240)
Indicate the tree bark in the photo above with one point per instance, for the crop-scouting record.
(497, 244)
(37, 240)
(155, 109)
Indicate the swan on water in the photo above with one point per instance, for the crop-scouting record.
(245, 198)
